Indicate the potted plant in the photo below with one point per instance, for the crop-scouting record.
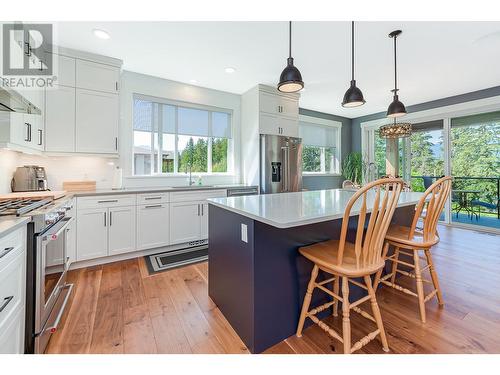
(353, 168)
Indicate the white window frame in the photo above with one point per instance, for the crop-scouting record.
(445, 114)
(177, 104)
(328, 124)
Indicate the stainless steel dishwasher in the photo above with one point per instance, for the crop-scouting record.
(240, 191)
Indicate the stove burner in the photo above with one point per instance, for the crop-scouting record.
(21, 206)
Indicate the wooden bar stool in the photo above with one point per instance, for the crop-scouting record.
(409, 241)
(347, 260)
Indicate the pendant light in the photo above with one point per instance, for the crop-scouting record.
(396, 108)
(353, 97)
(290, 78)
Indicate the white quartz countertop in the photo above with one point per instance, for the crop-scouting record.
(287, 210)
(157, 189)
(9, 223)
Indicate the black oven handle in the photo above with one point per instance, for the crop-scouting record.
(53, 233)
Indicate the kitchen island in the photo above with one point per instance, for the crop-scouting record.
(256, 276)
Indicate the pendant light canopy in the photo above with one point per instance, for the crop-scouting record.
(353, 97)
(290, 78)
(396, 108)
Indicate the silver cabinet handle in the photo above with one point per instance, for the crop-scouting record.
(6, 301)
(202, 209)
(154, 206)
(198, 210)
(6, 251)
(110, 218)
(40, 137)
(151, 198)
(104, 218)
(109, 201)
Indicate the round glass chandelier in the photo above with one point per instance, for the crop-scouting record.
(395, 130)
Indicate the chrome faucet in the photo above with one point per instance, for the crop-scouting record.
(191, 181)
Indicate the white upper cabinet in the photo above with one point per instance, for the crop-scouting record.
(95, 76)
(66, 70)
(96, 122)
(276, 104)
(60, 119)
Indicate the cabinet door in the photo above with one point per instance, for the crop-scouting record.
(269, 124)
(269, 103)
(95, 76)
(204, 221)
(92, 233)
(66, 70)
(289, 107)
(36, 130)
(19, 130)
(60, 119)
(121, 230)
(96, 122)
(152, 225)
(12, 333)
(289, 127)
(185, 222)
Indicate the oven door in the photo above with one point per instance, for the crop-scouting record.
(51, 268)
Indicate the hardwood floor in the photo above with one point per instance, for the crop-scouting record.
(119, 308)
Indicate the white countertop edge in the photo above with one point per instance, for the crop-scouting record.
(11, 223)
(285, 225)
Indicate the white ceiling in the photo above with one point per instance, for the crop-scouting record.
(435, 59)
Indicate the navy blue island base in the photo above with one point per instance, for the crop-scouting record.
(259, 285)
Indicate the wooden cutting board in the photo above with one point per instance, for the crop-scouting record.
(34, 195)
(79, 185)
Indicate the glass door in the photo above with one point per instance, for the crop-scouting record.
(475, 167)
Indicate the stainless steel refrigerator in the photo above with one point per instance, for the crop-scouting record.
(280, 164)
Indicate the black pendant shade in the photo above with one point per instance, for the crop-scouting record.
(396, 108)
(353, 97)
(290, 78)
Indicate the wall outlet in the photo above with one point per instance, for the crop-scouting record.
(244, 233)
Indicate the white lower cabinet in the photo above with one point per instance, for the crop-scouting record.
(92, 233)
(121, 230)
(185, 222)
(153, 226)
(204, 221)
(12, 333)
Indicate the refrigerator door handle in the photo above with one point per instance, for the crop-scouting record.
(286, 167)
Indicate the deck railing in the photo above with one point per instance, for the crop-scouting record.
(490, 195)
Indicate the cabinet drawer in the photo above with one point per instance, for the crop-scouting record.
(12, 333)
(152, 198)
(104, 201)
(198, 195)
(10, 244)
(12, 283)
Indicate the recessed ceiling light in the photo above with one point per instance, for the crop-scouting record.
(230, 70)
(193, 81)
(101, 34)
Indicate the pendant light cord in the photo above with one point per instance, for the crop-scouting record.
(290, 40)
(395, 68)
(352, 51)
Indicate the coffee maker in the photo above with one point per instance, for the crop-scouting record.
(29, 178)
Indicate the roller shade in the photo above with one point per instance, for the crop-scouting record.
(318, 135)
(221, 125)
(168, 119)
(480, 119)
(192, 122)
(143, 115)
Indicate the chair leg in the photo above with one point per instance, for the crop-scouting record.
(307, 300)
(346, 323)
(376, 282)
(420, 285)
(376, 313)
(434, 277)
(336, 285)
(395, 264)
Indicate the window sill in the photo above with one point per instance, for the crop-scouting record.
(181, 175)
(319, 174)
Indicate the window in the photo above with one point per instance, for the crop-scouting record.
(321, 145)
(172, 138)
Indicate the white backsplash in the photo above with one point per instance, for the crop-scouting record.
(58, 169)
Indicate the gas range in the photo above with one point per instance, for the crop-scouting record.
(43, 212)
